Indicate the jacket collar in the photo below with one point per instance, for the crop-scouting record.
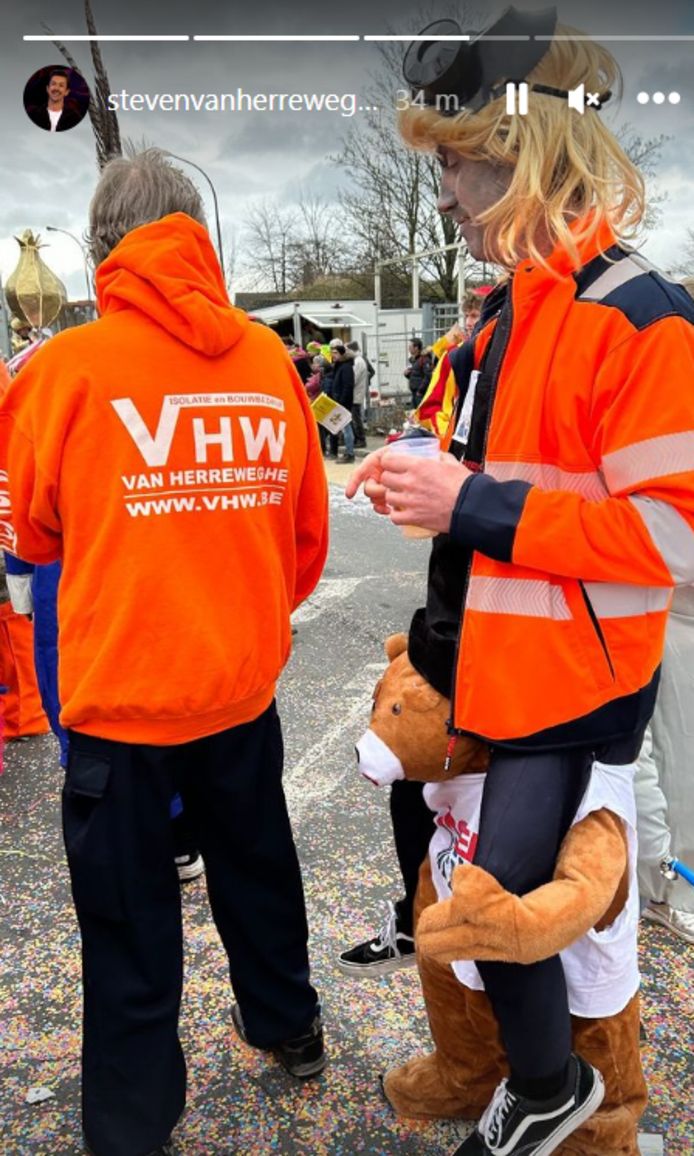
(560, 262)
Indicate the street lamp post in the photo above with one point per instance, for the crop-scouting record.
(220, 250)
(55, 229)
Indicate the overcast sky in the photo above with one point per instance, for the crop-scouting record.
(48, 178)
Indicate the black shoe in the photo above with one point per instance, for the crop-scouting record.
(514, 1126)
(386, 952)
(473, 1146)
(348, 458)
(303, 1057)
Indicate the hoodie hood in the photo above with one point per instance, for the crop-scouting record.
(169, 271)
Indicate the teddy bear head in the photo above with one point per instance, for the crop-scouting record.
(408, 734)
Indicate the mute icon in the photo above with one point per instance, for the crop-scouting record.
(577, 99)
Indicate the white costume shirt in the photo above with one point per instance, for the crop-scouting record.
(601, 968)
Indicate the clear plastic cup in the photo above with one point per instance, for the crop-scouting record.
(420, 446)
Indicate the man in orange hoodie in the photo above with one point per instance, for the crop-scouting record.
(186, 497)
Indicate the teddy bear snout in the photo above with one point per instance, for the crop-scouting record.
(376, 761)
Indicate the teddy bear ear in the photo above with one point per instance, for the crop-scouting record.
(395, 645)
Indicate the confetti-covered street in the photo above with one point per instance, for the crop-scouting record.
(241, 1102)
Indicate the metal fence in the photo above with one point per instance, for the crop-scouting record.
(390, 350)
(393, 357)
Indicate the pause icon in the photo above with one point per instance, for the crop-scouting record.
(517, 99)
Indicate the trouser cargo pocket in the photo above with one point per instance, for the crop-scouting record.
(90, 842)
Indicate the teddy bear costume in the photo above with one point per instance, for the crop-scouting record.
(475, 918)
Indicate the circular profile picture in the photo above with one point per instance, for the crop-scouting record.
(56, 98)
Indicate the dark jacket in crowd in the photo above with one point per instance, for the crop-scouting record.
(419, 373)
(343, 384)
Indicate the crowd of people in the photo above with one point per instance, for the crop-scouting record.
(562, 521)
(342, 372)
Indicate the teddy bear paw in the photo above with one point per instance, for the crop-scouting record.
(421, 1090)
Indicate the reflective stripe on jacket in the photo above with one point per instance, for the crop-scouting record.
(582, 520)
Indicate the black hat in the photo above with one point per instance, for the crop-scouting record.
(454, 71)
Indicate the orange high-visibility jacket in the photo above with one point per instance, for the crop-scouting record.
(582, 520)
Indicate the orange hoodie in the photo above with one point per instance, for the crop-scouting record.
(168, 455)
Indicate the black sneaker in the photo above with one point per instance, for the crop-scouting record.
(386, 952)
(514, 1126)
(303, 1057)
(473, 1146)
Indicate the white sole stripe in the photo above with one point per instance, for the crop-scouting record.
(368, 970)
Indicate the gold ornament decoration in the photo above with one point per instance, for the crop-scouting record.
(33, 291)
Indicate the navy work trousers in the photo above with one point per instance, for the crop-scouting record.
(118, 836)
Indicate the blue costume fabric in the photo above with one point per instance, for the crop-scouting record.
(44, 589)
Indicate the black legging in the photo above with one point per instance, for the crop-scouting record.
(528, 806)
(413, 826)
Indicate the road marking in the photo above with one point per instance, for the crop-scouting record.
(316, 776)
(327, 591)
(359, 505)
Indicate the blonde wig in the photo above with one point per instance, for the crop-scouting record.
(566, 167)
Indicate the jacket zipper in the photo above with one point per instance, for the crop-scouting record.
(492, 395)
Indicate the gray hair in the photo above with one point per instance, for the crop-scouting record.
(133, 191)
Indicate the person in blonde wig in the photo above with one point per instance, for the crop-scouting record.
(556, 177)
(563, 508)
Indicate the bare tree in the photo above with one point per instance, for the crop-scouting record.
(231, 244)
(391, 207)
(104, 120)
(320, 243)
(685, 268)
(645, 153)
(290, 247)
(270, 242)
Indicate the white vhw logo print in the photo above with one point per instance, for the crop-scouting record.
(155, 448)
